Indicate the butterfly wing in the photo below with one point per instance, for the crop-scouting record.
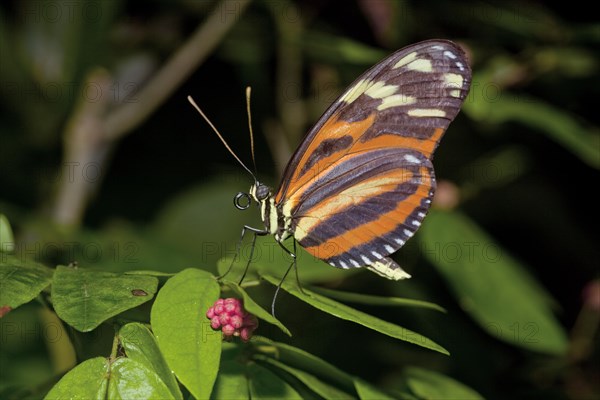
(362, 180)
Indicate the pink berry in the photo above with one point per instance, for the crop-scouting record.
(210, 313)
(236, 321)
(228, 330)
(219, 308)
(224, 319)
(245, 334)
(215, 323)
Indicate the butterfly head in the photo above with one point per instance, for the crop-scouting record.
(258, 192)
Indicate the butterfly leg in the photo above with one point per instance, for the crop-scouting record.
(292, 264)
(256, 232)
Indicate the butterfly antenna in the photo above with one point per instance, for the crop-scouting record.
(248, 91)
(193, 103)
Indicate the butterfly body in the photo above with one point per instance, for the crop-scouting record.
(361, 182)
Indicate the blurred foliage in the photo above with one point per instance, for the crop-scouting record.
(512, 257)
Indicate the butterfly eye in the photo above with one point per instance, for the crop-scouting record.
(242, 204)
(262, 192)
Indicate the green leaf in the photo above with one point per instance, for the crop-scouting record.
(491, 104)
(20, 282)
(231, 382)
(303, 360)
(376, 300)
(140, 345)
(84, 299)
(190, 346)
(253, 308)
(7, 239)
(88, 380)
(432, 385)
(130, 379)
(367, 392)
(264, 384)
(321, 388)
(490, 285)
(349, 314)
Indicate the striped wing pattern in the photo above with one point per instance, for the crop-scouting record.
(362, 180)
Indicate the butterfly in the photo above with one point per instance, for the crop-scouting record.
(362, 180)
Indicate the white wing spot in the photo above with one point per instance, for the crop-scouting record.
(450, 54)
(389, 248)
(376, 255)
(365, 259)
(405, 60)
(437, 47)
(399, 241)
(412, 159)
(453, 80)
(344, 265)
(332, 263)
(460, 65)
(380, 90)
(395, 101)
(428, 201)
(354, 263)
(355, 91)
(408, 233)
(416, 223)
(422, 215)
(455, 93)
(421, 65)
(426, 112)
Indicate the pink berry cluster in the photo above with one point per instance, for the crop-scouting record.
(229, 315)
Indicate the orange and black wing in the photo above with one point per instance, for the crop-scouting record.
(362, 180)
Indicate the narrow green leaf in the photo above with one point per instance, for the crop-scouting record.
(190, 346)
(130, 379)
(368, 392)
(264, 384)
(84, 299)
(432, 385)
(313, 383)
(490, 285)
(253, 308)
(88, 380)
(140, 345)
(376, 300)
(20, 282)
(7, 239)
(303, 360)
(350, 314)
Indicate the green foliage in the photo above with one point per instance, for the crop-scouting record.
(107, 169)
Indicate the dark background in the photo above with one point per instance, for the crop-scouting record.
(521, 161)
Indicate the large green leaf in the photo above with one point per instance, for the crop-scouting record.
(491, 286)
(84, 299)
(350, 314)
(432, 385)
(20, 282)
(88, 380)
(140, 345)
(252, 307)
(190, 346)
(130, 379)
